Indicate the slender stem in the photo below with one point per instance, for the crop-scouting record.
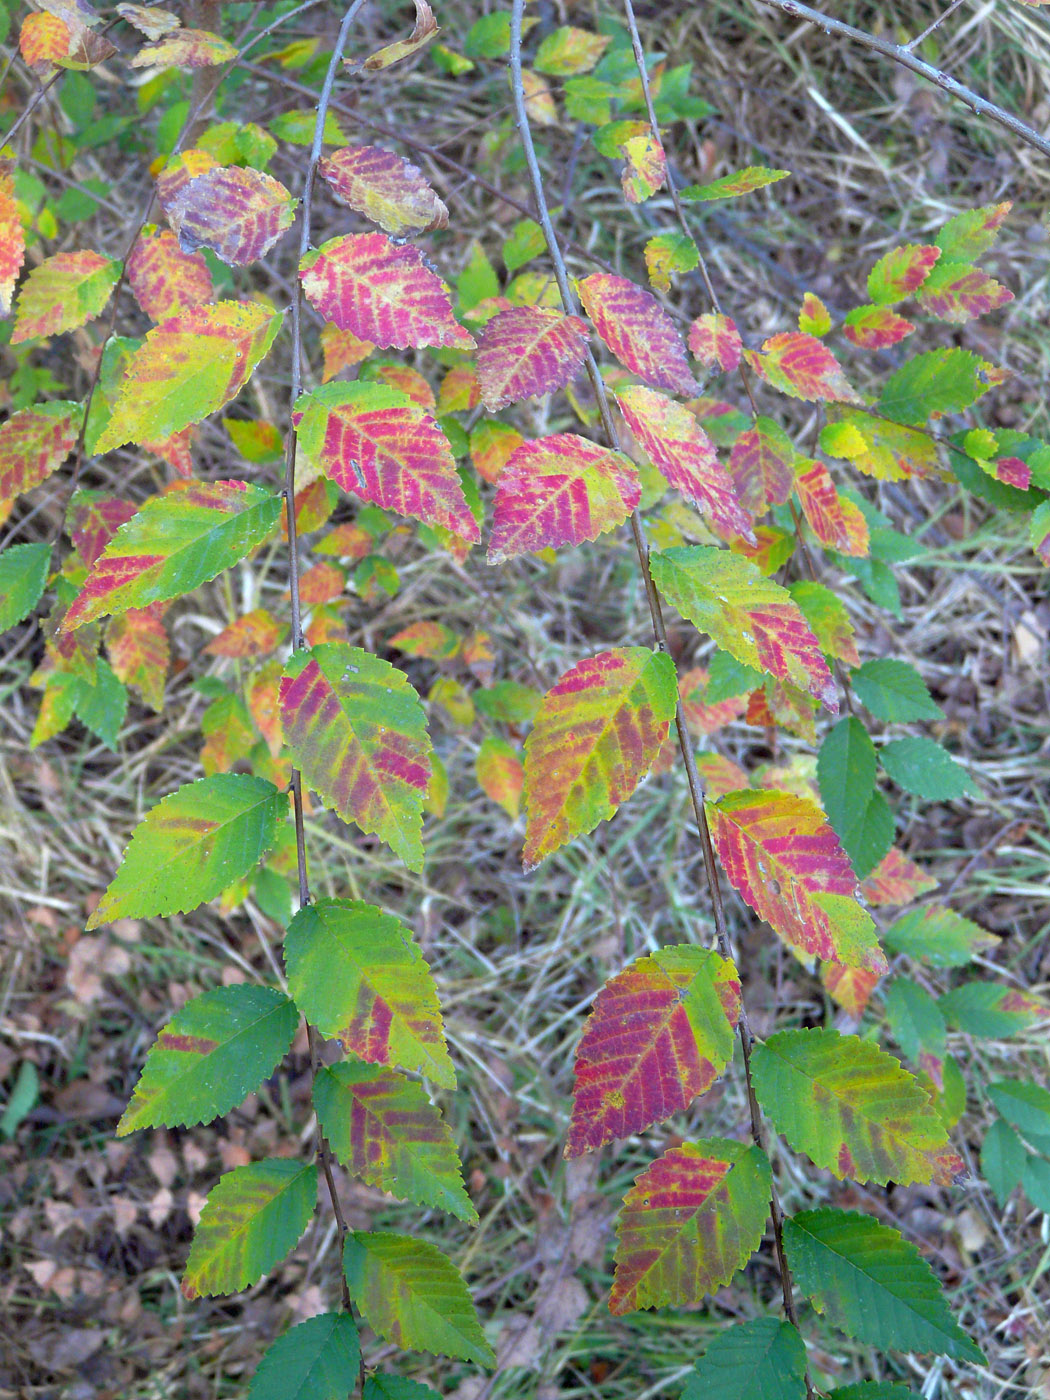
(696, 791)
(324, 1153)
(901, 54)
(914, 43)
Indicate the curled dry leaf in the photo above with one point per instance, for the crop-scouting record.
(425, 29)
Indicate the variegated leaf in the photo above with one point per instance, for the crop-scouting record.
(780, 854)
(357, 730)
(638, 331)
(598, 732)
(236, 212)
(528, 351)
(381, 291)
(385, 188)
(660, 1034)
(675, 442)
(557, 491)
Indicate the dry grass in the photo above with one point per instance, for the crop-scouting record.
(95, 1231)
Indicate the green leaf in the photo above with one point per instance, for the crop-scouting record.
(748, 615)
(23, 574)
(1036, 1183)
(173, 544)
(849, 1106)
(922, 767)
(1026, 1106)
(1002, 1160)
(727, 678)
(858, 813)
(382, 1386)
(358, 732)
(356, 975)
(916, 1022)
(317, 1360)
(412, 1295)
(937, 381)
(894, 691)
(873, 1284)
(192, 845)
(760, 1360)
(990, 1010)
(250, 1222)
(937, 935)
(21, 1100)
(688, 1223)
(101, 707)
(213, 1052)
(382, 1127)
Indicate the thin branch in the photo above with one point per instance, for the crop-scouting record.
(902, 55)
(324, 1153)
(696, 791)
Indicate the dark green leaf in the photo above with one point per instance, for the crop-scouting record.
(23, 574)
(1002, 1159)
(894, 691)
(101, 707)
(317, 1360)
(727, 678)
(922, 767)
(1026, 1106)
(916, 1022)
(873, 1284)
(1036, 1183)
(21, 1100)
(382, 1386)
(760, 1360)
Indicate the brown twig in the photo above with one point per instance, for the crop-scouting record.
(696, 791)
(898, 53)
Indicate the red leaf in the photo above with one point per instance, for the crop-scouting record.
(237, 213)
(660, 1034)
(65, 291)
(597, 733)
(34, 442)
(557, 491)
(762, 466)
(12, 237)
(528, 351)
(875, 327)
(382, 292)
(715, 340)
(1013, 472)
(164, 280)
(94, 518)
(956, 292)
(385, 188)
(901, 272)
(377, 444)
(638, 331)
(896, 880)
(139, 652)
(813, 317)
(836, 521)
(802, 367)
(780, 854)
(670, 435)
